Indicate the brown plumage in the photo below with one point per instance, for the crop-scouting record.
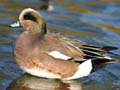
(33, 46)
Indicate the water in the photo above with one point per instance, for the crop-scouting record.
(93, 21)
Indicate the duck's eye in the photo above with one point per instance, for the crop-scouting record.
(29, 16)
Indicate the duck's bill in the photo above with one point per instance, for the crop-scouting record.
(16, 24)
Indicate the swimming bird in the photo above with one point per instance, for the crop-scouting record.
(53, 55)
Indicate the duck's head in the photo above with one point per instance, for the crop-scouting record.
(31, 21)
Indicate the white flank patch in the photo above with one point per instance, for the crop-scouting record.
(16, 24)
(84, 69)
(57, 54)
(42, 73)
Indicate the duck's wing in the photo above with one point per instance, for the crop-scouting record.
(77, 50)
(61, 47)
(92, 51)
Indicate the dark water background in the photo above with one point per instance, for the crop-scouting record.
(93, 21)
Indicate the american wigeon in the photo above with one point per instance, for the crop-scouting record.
(52, 55)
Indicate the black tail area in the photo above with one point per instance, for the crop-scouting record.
(108, 48)
(100, 63)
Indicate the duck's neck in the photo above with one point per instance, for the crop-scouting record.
(34, 37)
(37, 31)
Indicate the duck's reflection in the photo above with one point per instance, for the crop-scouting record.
(27, 82)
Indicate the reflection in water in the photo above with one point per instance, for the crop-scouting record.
(27, 82)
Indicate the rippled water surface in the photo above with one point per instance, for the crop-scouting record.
(93, 21)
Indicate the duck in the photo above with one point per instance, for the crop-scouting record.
(51, 55)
